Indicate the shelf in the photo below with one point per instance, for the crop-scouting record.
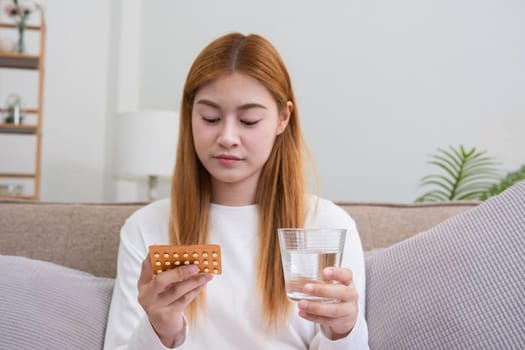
(12, 25)
(18, 129)
(17, 176)
(16, 196)
(23, 110)
(19, 61)
(30, 127)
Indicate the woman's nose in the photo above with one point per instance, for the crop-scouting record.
(228, 135)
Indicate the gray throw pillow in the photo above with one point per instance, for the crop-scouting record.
(459, 285)
(48, 306)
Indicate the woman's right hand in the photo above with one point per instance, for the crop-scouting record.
(165, 296)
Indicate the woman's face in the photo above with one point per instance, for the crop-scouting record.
(235, 121)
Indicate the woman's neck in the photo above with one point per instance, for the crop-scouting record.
(233, 195)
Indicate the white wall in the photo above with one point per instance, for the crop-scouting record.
(380, 84)
(75, 103)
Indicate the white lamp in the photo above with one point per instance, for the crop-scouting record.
(145, 143)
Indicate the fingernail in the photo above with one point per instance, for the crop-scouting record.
(193, 269)
(328, 272)
(303, 305)
(308, 288)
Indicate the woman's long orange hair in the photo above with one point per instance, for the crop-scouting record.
(280, 191)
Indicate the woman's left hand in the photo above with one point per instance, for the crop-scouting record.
(336, 319)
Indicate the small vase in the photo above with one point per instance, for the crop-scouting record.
(20, 46)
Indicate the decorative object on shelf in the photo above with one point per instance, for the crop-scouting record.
(145, 144)
(11, 189)
(20, 14)
(14, 110)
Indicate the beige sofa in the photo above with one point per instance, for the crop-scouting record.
(439, 276)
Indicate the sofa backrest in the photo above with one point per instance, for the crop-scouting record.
(86, 236)
(381, 225)
(80, 236)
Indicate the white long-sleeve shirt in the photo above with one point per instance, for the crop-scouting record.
(234, 319)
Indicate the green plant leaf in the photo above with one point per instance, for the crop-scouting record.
(436, 177)
(507, 181)
(451, 172)
(470, 195)
(438, 184)
(453, 155)
(432, 197)
(464, 174)
(452, 164)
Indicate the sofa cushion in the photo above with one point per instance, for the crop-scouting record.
(459, 285)
(48, 306)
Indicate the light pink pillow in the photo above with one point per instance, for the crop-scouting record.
(48, 306)
(459, 285)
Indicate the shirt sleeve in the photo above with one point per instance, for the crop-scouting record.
(128, 326)
(353, 258)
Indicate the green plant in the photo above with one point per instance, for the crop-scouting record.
(507, 181)
(465, 174)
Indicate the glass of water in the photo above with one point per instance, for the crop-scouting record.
(305, 252)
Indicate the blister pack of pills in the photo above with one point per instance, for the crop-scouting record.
(206, 256)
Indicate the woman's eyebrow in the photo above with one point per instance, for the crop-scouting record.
(208, 103)
(240, 108)
(250, 106)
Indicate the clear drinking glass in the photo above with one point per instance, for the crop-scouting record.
(305, 253)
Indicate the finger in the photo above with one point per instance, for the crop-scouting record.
(321, 320)
(341, 325)
(330, 290)
(342, 275)
(325, 310)
(341, 316)
(166, 279)
(185, 299)
(180, 292)
(150, 292)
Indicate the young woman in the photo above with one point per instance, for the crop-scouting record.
(238, 178)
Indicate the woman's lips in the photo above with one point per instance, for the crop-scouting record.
(227, 160)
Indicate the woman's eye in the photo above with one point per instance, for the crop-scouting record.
(249, 122)
(210, 120)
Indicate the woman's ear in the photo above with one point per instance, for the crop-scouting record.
(284, 117)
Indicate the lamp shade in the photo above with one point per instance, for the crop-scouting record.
(145, 143)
